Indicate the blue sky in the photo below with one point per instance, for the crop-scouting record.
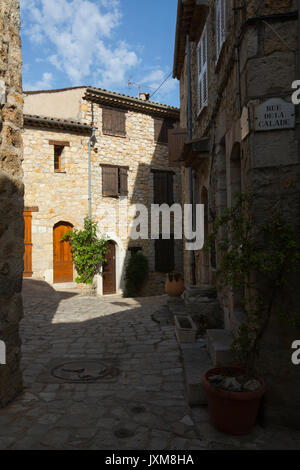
(102, 43)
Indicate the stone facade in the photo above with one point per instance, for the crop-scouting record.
(63, 196)
(11, 197)
(257, 62)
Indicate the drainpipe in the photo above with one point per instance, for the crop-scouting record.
(91, 144)
(190, 136)
(299, 39)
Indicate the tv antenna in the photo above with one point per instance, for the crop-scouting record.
(132, 84)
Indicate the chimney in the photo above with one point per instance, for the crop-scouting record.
(144, 96)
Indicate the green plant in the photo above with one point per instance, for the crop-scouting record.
(260, 260)
(136, 273)
(87, 249)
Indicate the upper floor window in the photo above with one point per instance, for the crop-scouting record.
(59, 147)
(114, 181)
(220, 25)
(202, 98)
(114, 122)
(161, 129)
(163, 187)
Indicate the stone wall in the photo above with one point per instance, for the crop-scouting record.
(11, 198)
(64, 196)
(269, 161)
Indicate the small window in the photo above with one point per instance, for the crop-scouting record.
(163, 187)
(202, 98)
(220, 25)
(161, 128)
(114, 181)
(164, 255)
(58, 150)
(114, 122)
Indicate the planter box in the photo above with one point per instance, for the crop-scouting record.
(185, 329)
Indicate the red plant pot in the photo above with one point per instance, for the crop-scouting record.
(232, 412)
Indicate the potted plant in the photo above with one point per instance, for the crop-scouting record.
(259, 260)
(174, 285)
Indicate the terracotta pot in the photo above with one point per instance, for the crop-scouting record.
(174, 285)
(232, 412)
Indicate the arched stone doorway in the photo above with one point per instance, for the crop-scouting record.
(62, 255)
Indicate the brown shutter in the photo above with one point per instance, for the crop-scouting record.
(123, 182)
(110, 181)
(158, 124)
(177, 138)
(113, 122)
(161, 128)
(107, 126)
(160, 187)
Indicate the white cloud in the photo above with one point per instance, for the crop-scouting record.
(80, 33)
(44, 84)
(153, 79)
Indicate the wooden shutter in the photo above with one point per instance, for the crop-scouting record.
(164, 255)
(202, 98)
(123, 181)
(110, 181)
(160, 187)
(113, 122)
(176, 140)
(28, 245)
(161, 128)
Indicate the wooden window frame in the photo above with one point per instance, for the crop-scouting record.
(202, 69)
(122, 190)
(118, 132)
(220, 27)
(59, 149)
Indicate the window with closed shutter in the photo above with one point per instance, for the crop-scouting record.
(202, 98)
(220, 25)
(114, 181)
(163, 187)
(114, 122)
(177, 139)
(110, 181)
(164, 255)
(161, 129)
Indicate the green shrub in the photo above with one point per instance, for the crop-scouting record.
(88, 251)
(136, 273)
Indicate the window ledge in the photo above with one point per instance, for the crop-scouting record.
(60, 172)
(114, 135)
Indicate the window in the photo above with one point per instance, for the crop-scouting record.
(58, 150)
(202, 98)
(164, 255)
(220, 25)
(161, 128)
(163, 187)
(114, 122)
(114, 181)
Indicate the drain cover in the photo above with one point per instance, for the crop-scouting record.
(85, 371)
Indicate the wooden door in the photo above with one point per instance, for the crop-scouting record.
(62, 255)
(109, 270)
(28, 245)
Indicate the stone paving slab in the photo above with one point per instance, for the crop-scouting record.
(145, 408)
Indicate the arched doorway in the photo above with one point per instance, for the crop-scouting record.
(109, 270)
(62, 255)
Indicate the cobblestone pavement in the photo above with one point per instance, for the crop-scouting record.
(141, 408)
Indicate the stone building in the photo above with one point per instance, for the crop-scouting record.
(129, 166)
(11, 199)
(242, 135)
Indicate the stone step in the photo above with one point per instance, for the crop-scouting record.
(219, 347)
(195, 362)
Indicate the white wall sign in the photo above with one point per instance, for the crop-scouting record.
(274, 114)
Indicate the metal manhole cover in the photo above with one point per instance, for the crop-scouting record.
(85, 371)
